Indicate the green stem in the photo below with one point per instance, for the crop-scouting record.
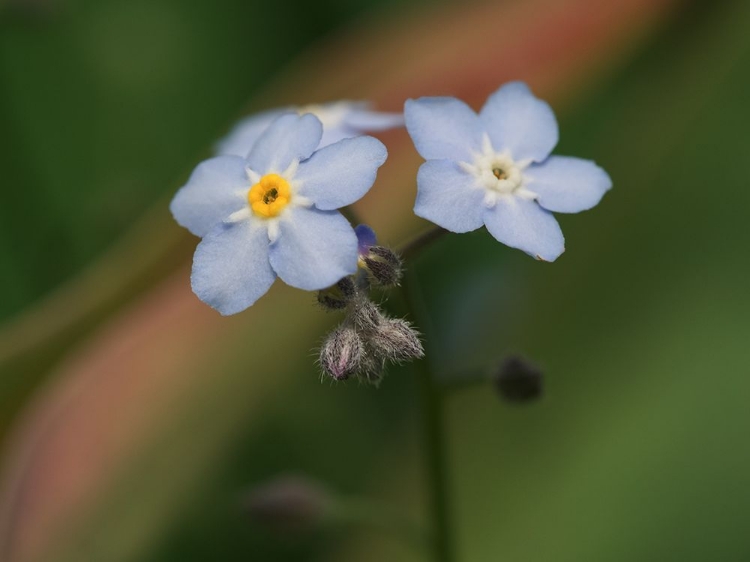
(434, 439)
(434, 430)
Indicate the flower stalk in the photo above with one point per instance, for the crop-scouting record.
(434, 438)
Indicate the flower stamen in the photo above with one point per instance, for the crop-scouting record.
(496, 171)
(269, 196)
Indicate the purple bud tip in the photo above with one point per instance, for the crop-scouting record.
(365, 237)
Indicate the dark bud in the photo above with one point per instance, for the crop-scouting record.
(339, 295)
(396, 340)
(288, 504)
(341, 354)
(386, 254)
(519, 381)
(383, 265)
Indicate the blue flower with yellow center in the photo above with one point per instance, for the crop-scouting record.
(494, 169)
(274, 213)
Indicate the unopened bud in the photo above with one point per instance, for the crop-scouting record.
(383, 265)
(519, 381)
(386, 254)
(366, 315)
(339, 295)
(366, 238)
(341, 353)
(396, 340)
(288, 504)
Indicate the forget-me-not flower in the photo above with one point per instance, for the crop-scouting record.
(494, 169)
(274, 213)
(341, 120)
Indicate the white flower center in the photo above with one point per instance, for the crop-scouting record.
(498, 173)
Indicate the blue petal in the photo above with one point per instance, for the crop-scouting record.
(332, 135)
(449, 196)
(519, 122)
(443, 127)
(216, 189)
(290, 137)
(366, 238)
(346, 130)
(363, 119)
(340, 174)
(333, 117)
(568, 185)
(243, 135)
(523, 224)
(231, 268)
(357, 119)
(314, 249)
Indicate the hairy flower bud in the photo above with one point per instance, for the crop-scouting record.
(396, 340)
(341, 353)
(339, 295)
(518, 380)
(366, 315)
(287, 504)
(366, 340)
(383, 265)
(386, 254)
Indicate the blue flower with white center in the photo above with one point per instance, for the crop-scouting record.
(495, 169)
(274, 213)
(341, 120)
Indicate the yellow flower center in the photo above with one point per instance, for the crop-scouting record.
(269, 196)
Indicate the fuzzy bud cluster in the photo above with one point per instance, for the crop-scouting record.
(368, 339)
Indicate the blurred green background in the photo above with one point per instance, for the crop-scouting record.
(134, 420)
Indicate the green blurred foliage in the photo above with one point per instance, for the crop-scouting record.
(105, 107)
(638, 452)
(106, 104)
